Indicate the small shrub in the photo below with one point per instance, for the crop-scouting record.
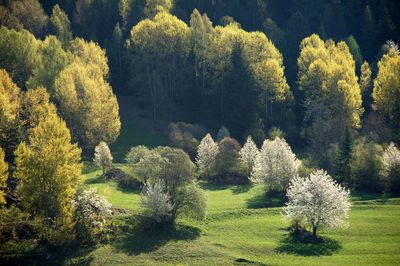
(390, 174)
(156, 203)
(228, 167)
(16, 225)
(366, 164)
(92, 212)
(186, 137)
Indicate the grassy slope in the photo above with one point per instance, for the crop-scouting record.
(242, 226)
(134, 131)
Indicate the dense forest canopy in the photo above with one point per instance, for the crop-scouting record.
(252, 66)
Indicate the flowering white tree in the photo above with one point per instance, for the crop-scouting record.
(91, 214)
(390, 174)
(275, 165)
(248, 153)
(206, 153)
(102, 156)
(156, 202)
(318, 200)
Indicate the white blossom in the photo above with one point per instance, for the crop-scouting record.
(318, 200)
(275, 165)
(156, 202)
(390, 173)
(102, 156)
(249, 153)
(391, 159)
(91, 208)
(206, 153)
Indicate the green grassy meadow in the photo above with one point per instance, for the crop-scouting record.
(245, 228)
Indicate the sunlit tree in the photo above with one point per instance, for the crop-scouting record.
(318, 201)
(206, 154)
(275, 165)
(249, 153)
(102, 156)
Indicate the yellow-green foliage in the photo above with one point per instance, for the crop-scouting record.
(87, 103)
(327, 77)
(3, 176)
(48, 171)
(36, 105)
(89, 53)
(9, 100)
(154, 6)
(18, 53)
(10, 124)
(164, 36)
(386, 92)
(263, 60)
(52, 59)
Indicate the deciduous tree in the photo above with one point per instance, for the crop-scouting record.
(102, 156)
(48, 174)
(275, 165)
(248, 154)
(318, 201)
(386, 93)
(206, 154)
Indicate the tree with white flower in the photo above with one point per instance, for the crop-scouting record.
(318, 201)
(102, 156)
(92, 213)
(156, 203)
(390, 174)
(206, 154)
(275, 165)
(248, 154)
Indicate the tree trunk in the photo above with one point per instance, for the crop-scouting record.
(314, 231)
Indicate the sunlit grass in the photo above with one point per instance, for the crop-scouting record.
(243, 226)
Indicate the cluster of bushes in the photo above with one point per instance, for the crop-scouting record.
(169, 183)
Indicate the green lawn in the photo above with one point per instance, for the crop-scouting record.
(244, 228)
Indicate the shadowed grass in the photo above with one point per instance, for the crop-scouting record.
(324, 246)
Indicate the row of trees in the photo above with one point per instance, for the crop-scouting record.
(371, 167)
(169, 189)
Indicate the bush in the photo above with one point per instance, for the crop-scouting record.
(390, 174)
(15, 225)
(176, 176)
(156, 203)
(228, 168)
(92, 212)
(366, 164)
(186, 137)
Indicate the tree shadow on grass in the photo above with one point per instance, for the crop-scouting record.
(241, 188)
(151, 239)
(323, 247)
(267, 200)
(96, 180)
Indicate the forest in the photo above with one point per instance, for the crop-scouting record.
(199, 132)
